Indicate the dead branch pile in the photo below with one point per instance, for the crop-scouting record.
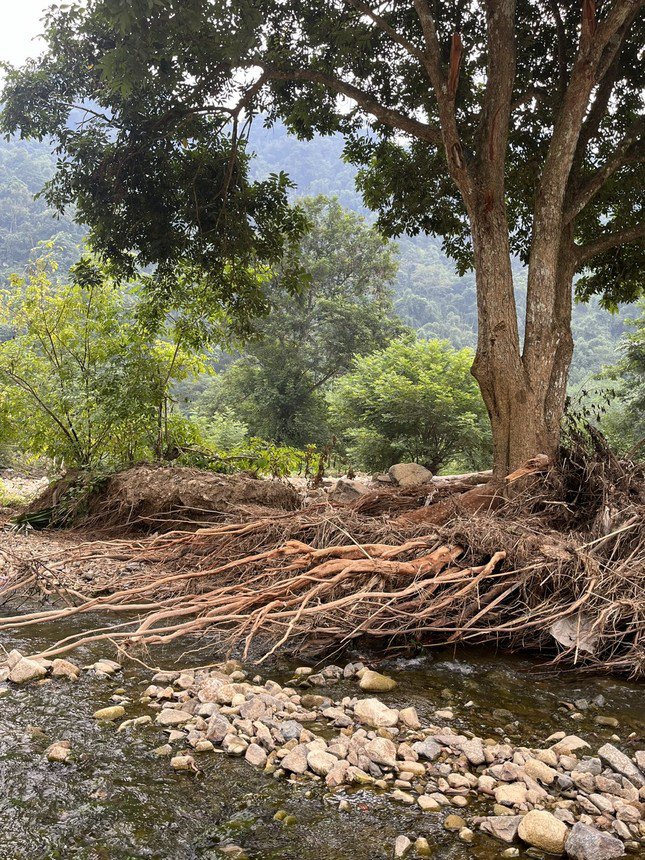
(523, 572)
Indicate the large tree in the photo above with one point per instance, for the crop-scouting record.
(508, 127)
(310, 338)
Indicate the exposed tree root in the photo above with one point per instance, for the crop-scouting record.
(321, 578)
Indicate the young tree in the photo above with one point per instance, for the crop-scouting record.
(504, 126)
(416, 401)
(624, 422)
(80, 379)
(310, 338)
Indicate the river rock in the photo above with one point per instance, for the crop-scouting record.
(65, 669)
(296, 759)
(543, 830)
(402, 796)
(381, 751)
(587, 843)
(321, 762)
(502, 827)
(104, 667)
(338, 774)
(173, 717)
(422, 847)
(59, 751)
(539, 771)
(255, 755)
(427, 749)
(208, 691)
(454, 823)
(372, 712)
(218, 728)
(409, 474)
(620, 763)
(466, 835)
(291, 730)
(234, 745)
(428, 804)
(402, 846)
(183, 762)
(114, 712)
(374, 682)
(473, 749)
(410, 718)
(512, 794)
(569, 744)
(26, 670)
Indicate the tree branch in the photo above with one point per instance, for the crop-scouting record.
(563, 148)
(387, 115)
(383, 25)
(561, 38)
(606, 242)
(446, 105)
(623, 155)
(500, 78)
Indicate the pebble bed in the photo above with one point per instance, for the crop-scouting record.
(562, 798)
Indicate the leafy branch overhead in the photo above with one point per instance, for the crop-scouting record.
(150, 96)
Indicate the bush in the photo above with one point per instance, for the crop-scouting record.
(414, 401)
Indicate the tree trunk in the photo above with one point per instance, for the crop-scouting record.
(524, 391)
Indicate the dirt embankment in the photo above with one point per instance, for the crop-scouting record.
(156, 497)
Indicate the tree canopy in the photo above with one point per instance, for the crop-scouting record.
(308, 339)
(165, 109)
(467, 121)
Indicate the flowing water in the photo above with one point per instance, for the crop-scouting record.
(117, 801)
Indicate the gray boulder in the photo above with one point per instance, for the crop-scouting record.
(619, 762)
(587, 843)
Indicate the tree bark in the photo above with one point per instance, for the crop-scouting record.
(524, 391)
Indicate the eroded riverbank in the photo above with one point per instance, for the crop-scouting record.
(117, 799)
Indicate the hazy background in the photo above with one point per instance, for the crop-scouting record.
(20, 29)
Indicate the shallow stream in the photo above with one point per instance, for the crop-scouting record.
(117, 801)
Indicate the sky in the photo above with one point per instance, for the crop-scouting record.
(20, 25)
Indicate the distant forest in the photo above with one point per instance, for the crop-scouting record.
(429, 295)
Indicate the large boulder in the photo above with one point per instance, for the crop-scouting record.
(346, 491)
(409, 474)
(587, 843)
(543, 830)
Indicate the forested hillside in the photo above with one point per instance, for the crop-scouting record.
(25, 166)
(429, 295)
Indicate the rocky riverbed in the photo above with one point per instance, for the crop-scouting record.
(333, 733)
